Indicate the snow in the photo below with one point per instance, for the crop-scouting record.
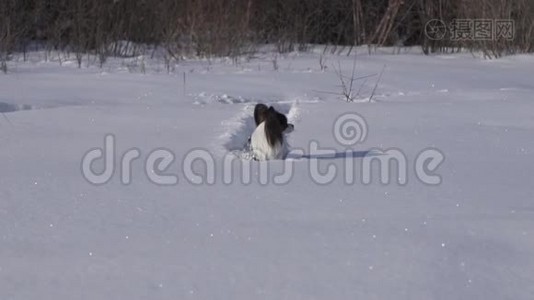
(470, 237)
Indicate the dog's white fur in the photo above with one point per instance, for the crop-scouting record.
(261, 149)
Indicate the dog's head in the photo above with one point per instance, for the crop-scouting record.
(262, 113)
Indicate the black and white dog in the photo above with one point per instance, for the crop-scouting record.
(268, 140)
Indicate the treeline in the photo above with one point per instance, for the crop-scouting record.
(236, 27)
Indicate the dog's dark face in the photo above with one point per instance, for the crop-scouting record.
(282, 119)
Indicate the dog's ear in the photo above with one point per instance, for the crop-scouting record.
(260, 113)
(271, 109)
(273, 128)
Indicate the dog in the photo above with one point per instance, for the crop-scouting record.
(268, 140)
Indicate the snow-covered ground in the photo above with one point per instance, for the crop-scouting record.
(470, 237)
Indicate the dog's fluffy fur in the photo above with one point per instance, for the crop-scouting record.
(268, 140)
